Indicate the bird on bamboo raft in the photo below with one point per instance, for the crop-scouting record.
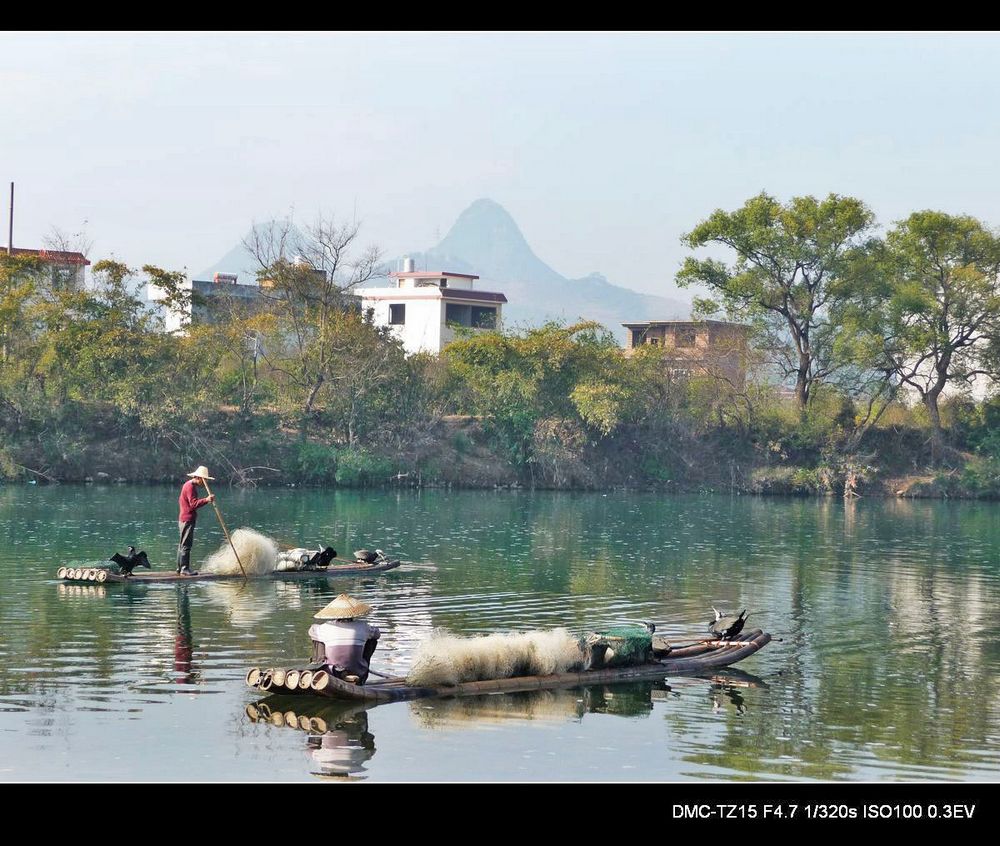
(127, 563)
(322, 557)
(368, 556)
(726, 627)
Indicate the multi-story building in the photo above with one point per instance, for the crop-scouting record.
(211, 301)
(67, 270)
(705, 347)
(426, 309)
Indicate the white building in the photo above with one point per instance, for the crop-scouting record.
(66, 270)
(425, 307)
(211, 301)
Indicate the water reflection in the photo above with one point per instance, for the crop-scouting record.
(339, 742)
(183, 643)
(890, 644)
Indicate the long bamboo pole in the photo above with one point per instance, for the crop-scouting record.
(225, 531)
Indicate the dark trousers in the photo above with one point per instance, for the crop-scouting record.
(184, 547)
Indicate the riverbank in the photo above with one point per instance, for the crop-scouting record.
(459, 452)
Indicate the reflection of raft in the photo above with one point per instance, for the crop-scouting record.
(70, 574)
(668, 661)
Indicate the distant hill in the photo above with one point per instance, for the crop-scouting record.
(486, 241)
(241, 261)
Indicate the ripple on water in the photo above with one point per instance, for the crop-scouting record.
(886, 670)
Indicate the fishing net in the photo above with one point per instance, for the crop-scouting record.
(622, 646)
(445, 659)
(258, 555)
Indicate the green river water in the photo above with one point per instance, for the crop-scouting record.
(887, 611)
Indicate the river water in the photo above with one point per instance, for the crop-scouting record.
(887, 666)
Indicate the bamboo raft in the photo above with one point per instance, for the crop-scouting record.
(102, 575)
(690, 659)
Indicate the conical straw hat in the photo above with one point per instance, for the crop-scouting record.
(343, 608)
(202, 472)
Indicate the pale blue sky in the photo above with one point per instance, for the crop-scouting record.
(603, 147)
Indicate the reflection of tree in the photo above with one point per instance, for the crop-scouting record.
(889, 655)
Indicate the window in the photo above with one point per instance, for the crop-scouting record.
(397, 314)
(637, 337)
(484, 317)
(685, 336)
(653, 341)
(458, 314)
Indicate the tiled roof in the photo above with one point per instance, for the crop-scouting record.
(58, 256)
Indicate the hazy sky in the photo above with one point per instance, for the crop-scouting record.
(603, 147)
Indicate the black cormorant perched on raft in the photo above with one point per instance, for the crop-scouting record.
(127, 563)
(727, 627)
(368, 556)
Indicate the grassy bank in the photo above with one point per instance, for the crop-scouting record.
(460, 452)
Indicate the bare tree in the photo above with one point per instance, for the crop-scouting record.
(308, 277)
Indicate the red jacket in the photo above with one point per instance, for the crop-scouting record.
(189, 503)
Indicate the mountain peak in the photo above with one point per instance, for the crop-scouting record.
(486, 236)
(487, 218)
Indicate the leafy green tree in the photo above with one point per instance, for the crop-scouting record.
(929, 313)
(514, 380)
(791, 265)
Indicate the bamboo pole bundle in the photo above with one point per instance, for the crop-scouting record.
(253, 676)
(305, 679)
(102, 576)
(320, 680)
(265, 681)
(292, 679)
(61, 573)
(278, 677)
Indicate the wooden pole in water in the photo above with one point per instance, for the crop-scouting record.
(305, 680)
(225, 531)
(292, 679)
(278, 677)
(320, 680)
(253, 676)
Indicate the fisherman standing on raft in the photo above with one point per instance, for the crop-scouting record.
(342, 642)
(190, 503)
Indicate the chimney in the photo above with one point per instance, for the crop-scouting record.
(407, 262)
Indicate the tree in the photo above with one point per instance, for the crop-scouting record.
(551, 372)
(309, 278)
(931, 313)
(791, 265)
